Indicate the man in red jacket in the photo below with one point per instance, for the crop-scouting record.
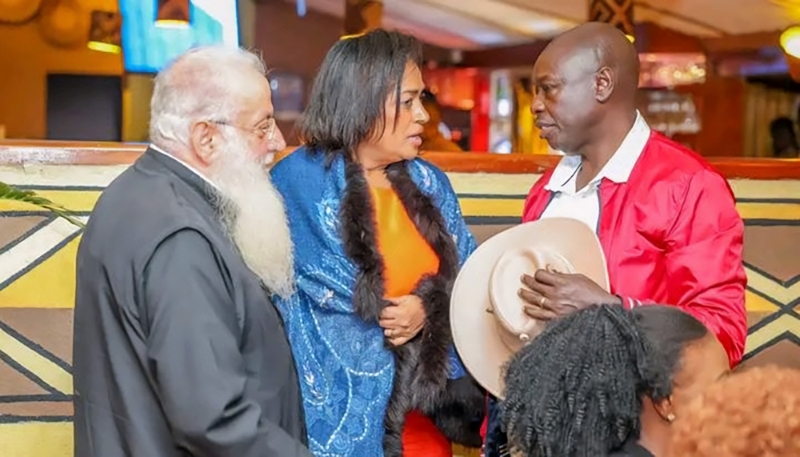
(666, 220)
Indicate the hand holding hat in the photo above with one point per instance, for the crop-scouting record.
(549, 294)
(488, 313)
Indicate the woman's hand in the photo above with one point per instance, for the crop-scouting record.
(403, 319)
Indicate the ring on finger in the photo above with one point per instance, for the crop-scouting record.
(542, 300)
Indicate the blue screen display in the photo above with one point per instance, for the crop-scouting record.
(147, 48)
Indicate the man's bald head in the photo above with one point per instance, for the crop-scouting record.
(595, 45)
(583, 78)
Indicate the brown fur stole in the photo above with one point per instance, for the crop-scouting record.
(421, 365)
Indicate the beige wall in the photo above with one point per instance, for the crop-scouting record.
(25, 61)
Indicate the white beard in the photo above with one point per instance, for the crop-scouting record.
(254, 217)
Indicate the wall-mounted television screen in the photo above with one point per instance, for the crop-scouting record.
(148, 47)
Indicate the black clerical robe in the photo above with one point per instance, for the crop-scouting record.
(178, 350)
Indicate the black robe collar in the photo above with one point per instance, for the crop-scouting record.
(153, 158)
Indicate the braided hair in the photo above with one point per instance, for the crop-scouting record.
(576, 390)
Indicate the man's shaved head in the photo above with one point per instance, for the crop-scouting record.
(600, 45)
(581, 78)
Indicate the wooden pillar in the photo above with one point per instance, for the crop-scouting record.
(362, 16)
(618, 13)
(247, 10)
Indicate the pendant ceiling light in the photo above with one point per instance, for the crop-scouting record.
(172, 13)
(790, 43)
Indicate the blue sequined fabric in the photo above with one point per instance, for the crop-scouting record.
(345, 372)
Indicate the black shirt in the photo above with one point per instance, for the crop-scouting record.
(631, 449)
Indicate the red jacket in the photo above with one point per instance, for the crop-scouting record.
(671, 235)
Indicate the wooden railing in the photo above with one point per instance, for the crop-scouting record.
(19, 152)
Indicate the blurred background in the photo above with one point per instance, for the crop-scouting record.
(716, 74)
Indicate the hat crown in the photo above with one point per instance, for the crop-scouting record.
(507, 307)
(487, 316)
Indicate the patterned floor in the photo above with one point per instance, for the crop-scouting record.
(37, 277)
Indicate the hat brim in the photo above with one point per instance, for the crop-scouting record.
(475, 331)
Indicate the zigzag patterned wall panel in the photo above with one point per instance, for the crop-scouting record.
(37, 286)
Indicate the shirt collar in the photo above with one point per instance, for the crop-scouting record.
(184, 164)
(617, 169)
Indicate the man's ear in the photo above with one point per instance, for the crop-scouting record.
(203, 139)
(664, 408)
(604, 84)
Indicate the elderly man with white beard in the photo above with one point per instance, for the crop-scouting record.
(178, 349)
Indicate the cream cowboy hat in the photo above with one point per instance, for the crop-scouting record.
(486, 313)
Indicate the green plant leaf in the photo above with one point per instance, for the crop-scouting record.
(28, 196)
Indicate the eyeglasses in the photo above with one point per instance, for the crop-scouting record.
(265, 132)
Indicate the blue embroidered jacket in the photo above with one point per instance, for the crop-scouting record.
(345, 372)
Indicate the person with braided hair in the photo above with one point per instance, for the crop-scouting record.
(606, 381)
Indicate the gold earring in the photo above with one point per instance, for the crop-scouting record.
(670, 417)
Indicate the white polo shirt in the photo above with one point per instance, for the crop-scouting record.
(584, 204)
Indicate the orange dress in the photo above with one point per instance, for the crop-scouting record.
(406, 258)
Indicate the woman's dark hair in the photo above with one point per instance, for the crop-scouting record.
(347, 104)
(669, 330)
(576, 390)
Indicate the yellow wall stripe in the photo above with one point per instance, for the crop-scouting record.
(757, 303)
(52, 374)
(49, 439)
(497, 207)
(779, 211)
(512, 207)
(85, 200)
